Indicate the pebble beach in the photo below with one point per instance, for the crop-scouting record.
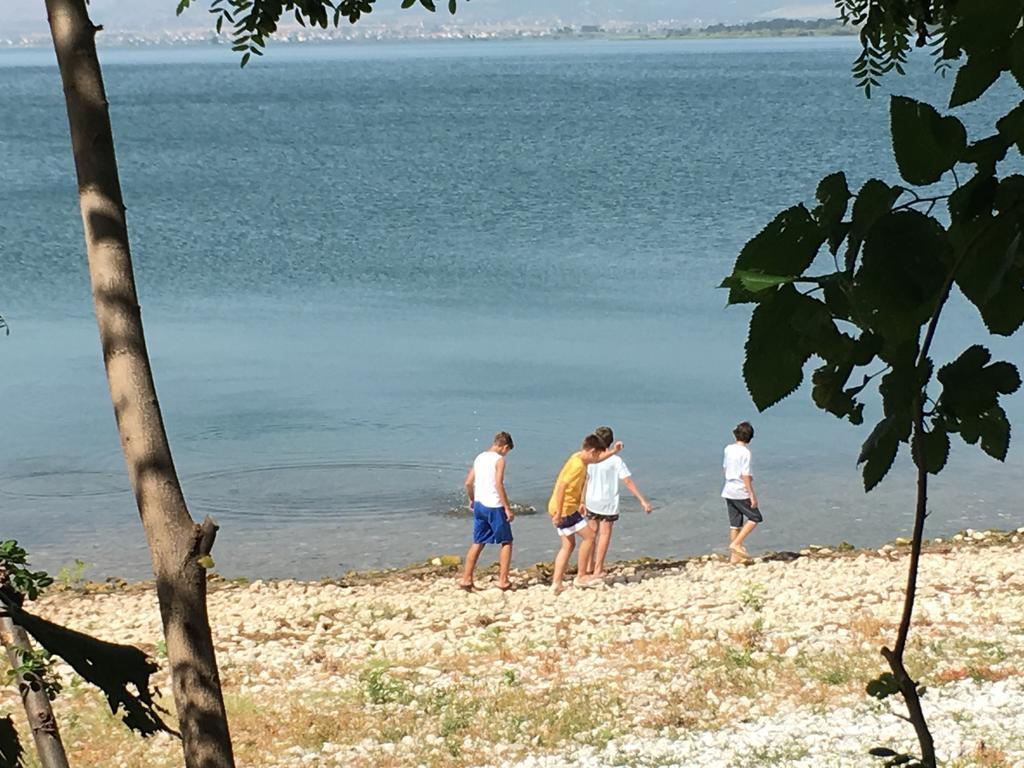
(688, 663)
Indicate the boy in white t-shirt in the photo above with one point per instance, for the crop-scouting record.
(602, 500)
(738, 492)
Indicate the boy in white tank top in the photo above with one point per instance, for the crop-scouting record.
(492, 514)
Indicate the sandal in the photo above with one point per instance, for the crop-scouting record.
(467, 587)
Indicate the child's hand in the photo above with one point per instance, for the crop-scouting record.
(618, 446)
(509, 514)
(647, 507)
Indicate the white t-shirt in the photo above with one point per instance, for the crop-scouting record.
(485, 480)
(736, 463)
(603, 485)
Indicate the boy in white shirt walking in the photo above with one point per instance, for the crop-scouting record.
(492, 514)
(602, 500)
(738, 492)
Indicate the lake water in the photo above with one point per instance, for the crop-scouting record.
(356, 263)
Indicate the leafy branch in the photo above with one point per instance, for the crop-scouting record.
(35, 669)
(251, 22)
(16, 577)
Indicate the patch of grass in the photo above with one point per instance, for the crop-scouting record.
(752, 597)
(71, 577)
(773, 755)
(738, 657)
(379, 687)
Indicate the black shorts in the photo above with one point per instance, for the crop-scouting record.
(740, 510)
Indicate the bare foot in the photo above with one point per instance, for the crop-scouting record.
(598, 574)
(467, 587)
(740, 550)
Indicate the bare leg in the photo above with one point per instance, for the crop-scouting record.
(734, 557)
(504, 563)
(471, 557)
(587, 567)
(601, 548)
(562, 560)
(736, 541)
(586, 548)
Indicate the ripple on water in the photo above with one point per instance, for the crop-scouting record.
(63, 484)
(319, 490)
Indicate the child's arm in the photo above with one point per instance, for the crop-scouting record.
(628, 482)
(559, 496)
(610, 451)
(748, 483)
(499, 483)
(470, 479)
(583, 494)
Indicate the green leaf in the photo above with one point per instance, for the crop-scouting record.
(975, 198)
(926, 145)
(408, 3)
(773, 367)
(1011, 126)
(882, 686)
(989, 274)
(994, 432)
(1017, 56)
(453, 5)
(969, 402)
(874, 200)
(975, 77)
(785, 247)
(931, 448)
(834, 195)
(429, 5)
(881, 751)
(830, 395)
(754, 282)
(985, 153)
(969, 381)
(901, 274)
(878, 452)
(981, 26)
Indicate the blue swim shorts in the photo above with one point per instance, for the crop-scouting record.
(490, 526)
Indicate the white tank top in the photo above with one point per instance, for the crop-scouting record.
(485, 484)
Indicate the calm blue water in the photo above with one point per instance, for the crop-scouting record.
(357, 263)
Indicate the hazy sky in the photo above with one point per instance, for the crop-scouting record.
(21, 17)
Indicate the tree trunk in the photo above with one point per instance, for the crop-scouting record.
(37, 705)
(176, 543)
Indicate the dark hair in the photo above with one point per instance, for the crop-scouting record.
(501, 439)
(593, 443)
(606, 434)
(744, 432)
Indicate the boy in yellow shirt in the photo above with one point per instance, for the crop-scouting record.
(567, 509)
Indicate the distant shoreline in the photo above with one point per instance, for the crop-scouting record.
(201, 37)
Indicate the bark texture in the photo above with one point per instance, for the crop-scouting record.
(49, 747)
(176, 543)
